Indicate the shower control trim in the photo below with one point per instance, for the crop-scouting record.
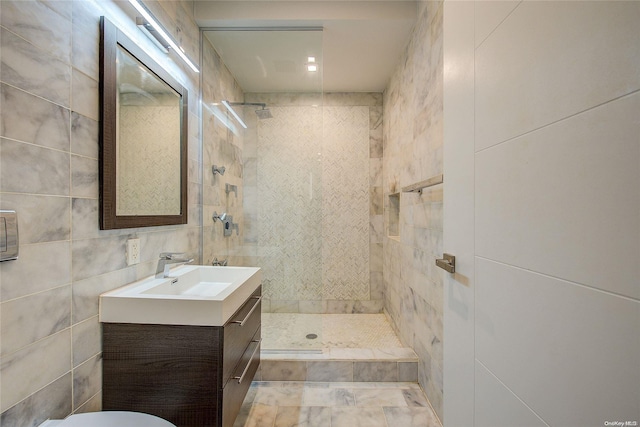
(447, 263)
(229, 188)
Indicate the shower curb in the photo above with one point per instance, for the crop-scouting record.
(340, 365)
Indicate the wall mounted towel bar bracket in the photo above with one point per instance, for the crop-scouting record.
(448, 263)
(419, 186)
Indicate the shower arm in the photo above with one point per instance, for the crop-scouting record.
(252, 104)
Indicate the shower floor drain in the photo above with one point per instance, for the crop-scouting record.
(312, 336)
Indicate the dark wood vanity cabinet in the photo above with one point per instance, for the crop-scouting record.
(192, 376)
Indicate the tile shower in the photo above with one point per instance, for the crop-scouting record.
(310, 199)
(299, 175)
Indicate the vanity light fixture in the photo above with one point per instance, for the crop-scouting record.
(159, 34)
(153, 35)
(233, 113)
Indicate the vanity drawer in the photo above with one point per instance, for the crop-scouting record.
(236, 388)
(238, 332)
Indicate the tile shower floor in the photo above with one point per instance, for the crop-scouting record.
(288, 331)
(309, 404)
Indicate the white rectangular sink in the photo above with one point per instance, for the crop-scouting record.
(193, 295)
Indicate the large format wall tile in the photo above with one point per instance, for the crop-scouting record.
(48, 175)
(84, 177)
(532, 330)
(20, 328)
(87, 340)
(109, 250)
(31, 368)
(50, 402)
(84, 49)
(36, 270)
(34, 70)
(46, 25)
(41, 218)
(47, 124)
(86, 292)
(537, 74)
(413, 136)
(597, 155)
(87, 380)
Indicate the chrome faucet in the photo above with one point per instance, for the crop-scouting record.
(168, 258)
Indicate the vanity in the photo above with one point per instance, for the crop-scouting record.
(184, 348)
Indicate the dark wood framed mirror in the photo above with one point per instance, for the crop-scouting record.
(143, 137)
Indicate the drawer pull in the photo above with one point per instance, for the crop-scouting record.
(243, 321)
(246, 368)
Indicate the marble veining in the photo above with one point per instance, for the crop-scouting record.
(52, 400)
(48, 126)
(49, 168)
(36, 270)
(413, 152)
(84, 136)
(285, 404)
(42, 218)
(47, 176)
(20, 329)
(87, 379)
(25, 66)
(34, 366)
(45, 24)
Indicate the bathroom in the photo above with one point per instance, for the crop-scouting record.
(536, 195)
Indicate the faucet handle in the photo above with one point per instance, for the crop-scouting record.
(172, 255)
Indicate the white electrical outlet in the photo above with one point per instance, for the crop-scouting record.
(133, 251)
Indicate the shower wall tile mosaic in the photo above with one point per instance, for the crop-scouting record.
(413, 140)
(312, 224)
(345, 203)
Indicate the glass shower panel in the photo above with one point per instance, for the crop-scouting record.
(283, 214)
(281, 182)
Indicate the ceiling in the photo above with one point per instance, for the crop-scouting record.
(357, 43)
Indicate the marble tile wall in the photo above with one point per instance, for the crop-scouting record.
(50, 356)
(413, 152)
(321, 251)
(222, 145)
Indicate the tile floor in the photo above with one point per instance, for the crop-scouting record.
(336, 404)
(289, 331)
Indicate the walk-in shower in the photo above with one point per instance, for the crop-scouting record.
(305, 187)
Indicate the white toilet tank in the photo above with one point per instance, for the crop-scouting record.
(109, 419)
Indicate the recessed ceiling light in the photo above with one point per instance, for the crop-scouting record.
(312, 67)
(311, 59)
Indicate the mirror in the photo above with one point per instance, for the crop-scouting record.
(143, 137)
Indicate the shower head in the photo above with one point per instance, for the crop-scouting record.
(264, 113)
